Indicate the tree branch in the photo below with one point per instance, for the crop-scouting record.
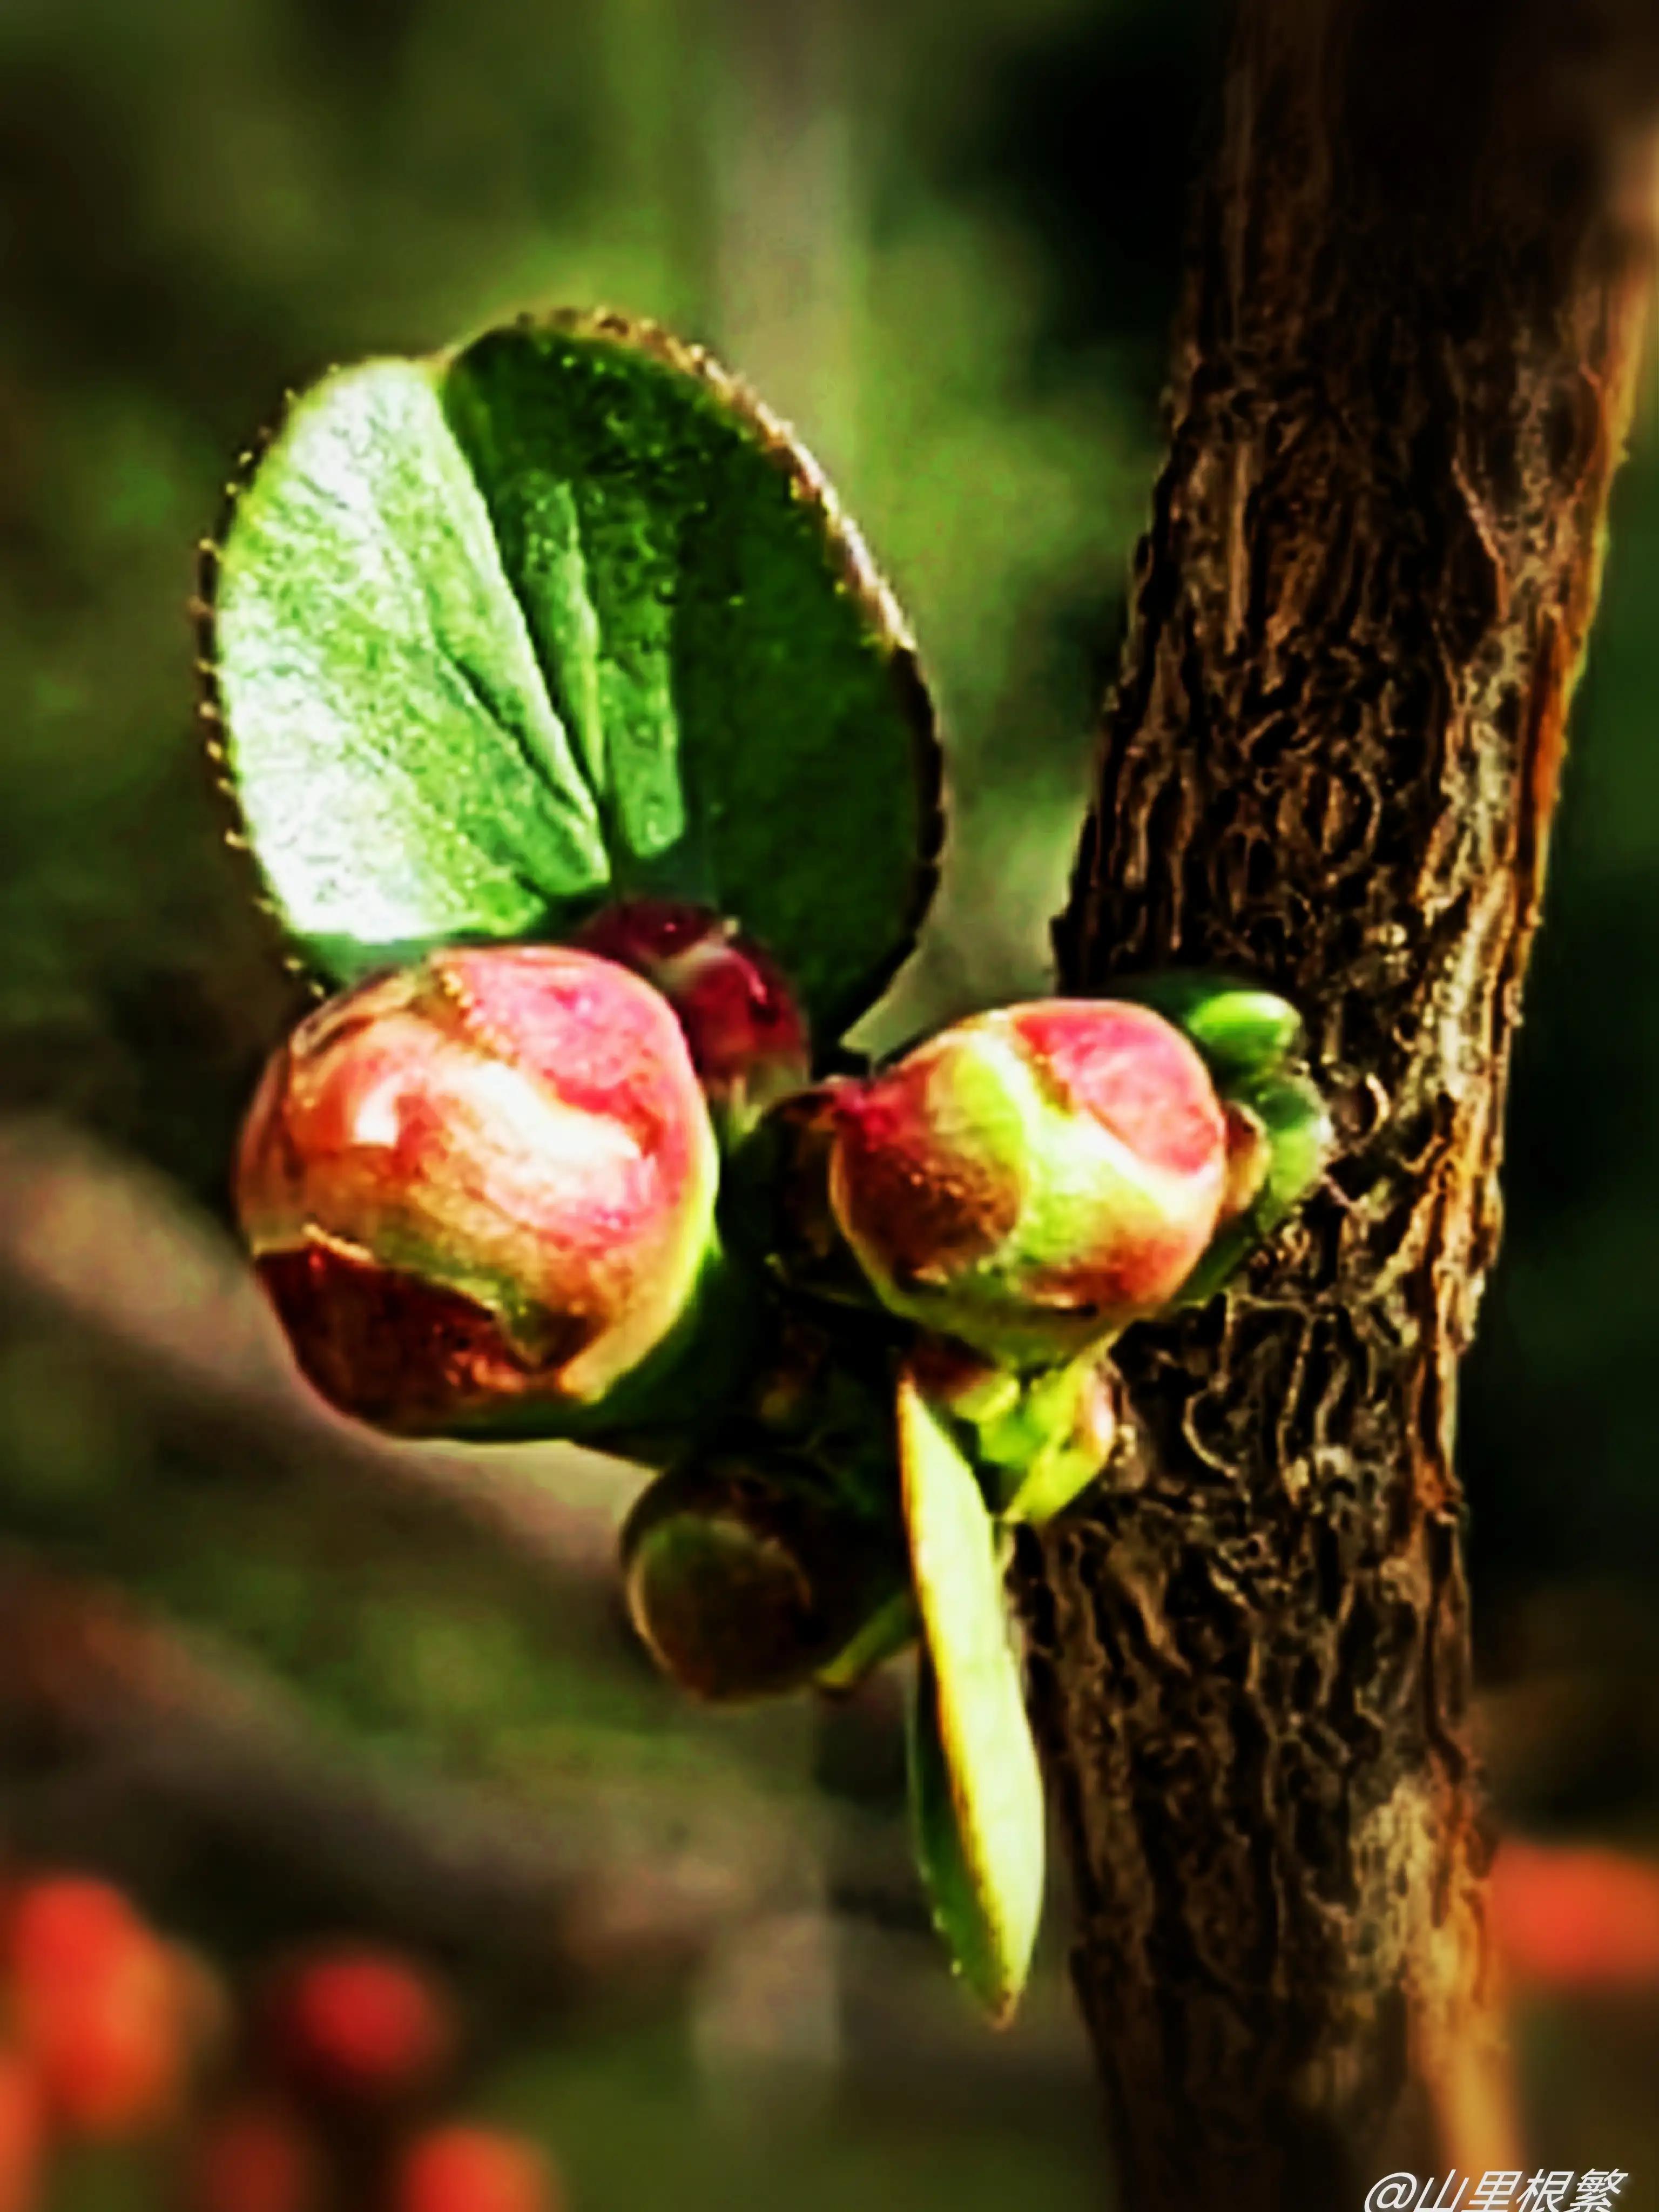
(403, 1595)
(1422, 260)
(121, 1744)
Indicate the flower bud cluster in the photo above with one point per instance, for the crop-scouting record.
(484, 1194)
(859, 1326)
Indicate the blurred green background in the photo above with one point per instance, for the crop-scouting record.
(944, 239)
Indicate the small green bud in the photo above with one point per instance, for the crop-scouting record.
(747, 1575)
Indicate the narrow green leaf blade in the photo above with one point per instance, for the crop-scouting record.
(976, 1790)
(953, 1891)
(402, 776)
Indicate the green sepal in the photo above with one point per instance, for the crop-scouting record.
(1052, 1446)
(704, 1365)
(889, 1629)
(1035, 1438)
(1291, 1110)
(976, 1790)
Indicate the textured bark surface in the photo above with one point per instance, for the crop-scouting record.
(1421, 262)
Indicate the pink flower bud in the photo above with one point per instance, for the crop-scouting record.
(480, 1192)
(1031, 1180)
(747, 1036)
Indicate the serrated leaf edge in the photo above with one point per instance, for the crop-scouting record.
(210, 705)
(777, 441)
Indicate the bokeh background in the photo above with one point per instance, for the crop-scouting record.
(282, 1681)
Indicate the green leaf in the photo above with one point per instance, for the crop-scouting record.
(558, 617)
(976, 1792)
(402, 777)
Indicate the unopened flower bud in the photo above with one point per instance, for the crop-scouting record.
(480, 1192)
(747, 1036)
(1031, 1180)
(746, 1575)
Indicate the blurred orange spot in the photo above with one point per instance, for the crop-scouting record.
(362, 2025)
(99, 2005)
(254, 2159)
(207, 2011)
(459, 2169)
(1576, 1917)
(23, 2135)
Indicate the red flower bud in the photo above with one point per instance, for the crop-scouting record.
(480, 1192)
(747, 1036)
(462, 2169)
(1033, 1180)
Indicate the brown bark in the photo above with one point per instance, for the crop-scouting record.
(1420, 266)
